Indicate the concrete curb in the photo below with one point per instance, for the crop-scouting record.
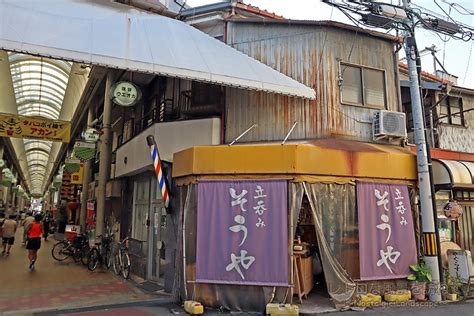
(59, 310)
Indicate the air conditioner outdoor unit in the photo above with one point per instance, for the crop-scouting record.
(389, 124)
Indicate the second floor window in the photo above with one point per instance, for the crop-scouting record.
(363, 86)
(450, 111)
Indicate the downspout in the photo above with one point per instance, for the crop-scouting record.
(397, 80)
(223, 114)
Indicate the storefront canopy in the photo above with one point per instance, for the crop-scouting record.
(102, 32)
(453, 173)
(308, 161)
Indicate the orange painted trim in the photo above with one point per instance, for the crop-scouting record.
(448, 154)
(364, 160)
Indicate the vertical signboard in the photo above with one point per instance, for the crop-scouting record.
(386, 232)
(242, 232)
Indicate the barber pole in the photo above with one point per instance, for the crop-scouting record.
(155, 156)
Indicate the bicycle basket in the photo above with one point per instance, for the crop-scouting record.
(79, 240)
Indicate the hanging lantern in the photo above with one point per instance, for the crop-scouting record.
(452, 209)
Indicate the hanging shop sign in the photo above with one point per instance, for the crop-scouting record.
(452, 209)
(125, 93)
(77, 177)
(72, 165)
(242, 227)
(36, 128)
(84, 151)
(90, 135)
(387, 242)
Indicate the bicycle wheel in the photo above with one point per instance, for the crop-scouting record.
(85, 252)
(60, 251)
(125, 265)
(116, 264)
(93, 261)
(76, 255)
(107, 258)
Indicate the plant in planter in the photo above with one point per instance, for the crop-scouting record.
(420, 276)
(454, 286)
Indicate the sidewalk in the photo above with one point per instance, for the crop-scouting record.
(58, 285)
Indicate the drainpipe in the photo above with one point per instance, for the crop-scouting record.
(104, 156)
(87, 178)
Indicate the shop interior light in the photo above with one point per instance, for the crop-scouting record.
(377, 20)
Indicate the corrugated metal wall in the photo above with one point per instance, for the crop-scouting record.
(309, 54)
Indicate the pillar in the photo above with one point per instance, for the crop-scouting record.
(105, 155)
(87, 179)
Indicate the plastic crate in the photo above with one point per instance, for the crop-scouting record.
(71, 235)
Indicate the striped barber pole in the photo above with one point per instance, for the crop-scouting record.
(158, 170)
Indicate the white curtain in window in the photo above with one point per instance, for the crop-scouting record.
(351, 85)
(374, 84)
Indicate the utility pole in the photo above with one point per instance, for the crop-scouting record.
(428, 219)
(424, 186)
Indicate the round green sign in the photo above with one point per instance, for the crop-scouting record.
(125, 93)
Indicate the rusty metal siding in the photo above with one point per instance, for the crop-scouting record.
(311, 55)
(459, 138)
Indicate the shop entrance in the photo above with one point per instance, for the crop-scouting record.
(310, 287)
(149, 224)
(156, 229)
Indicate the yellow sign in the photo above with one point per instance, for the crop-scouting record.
(76, 177)
(37, 128)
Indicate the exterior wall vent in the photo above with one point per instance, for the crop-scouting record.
(389, 124)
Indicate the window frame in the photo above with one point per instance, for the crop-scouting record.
(361, 69)
(448, 120)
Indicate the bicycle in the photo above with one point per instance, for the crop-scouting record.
(101, 253)
(78, 249)
(121, 262)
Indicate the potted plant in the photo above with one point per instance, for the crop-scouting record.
(453, 285)
(420, 276)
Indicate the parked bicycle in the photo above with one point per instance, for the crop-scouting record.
(121, 261)
(78, 249)
(101, 253)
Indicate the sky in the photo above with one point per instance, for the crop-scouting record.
(457, 56)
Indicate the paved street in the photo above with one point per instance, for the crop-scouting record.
(57, 284)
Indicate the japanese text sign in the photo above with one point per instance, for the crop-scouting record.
(37, 128)
(242, 232)
(386, 233)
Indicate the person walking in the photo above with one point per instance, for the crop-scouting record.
(9, 230)
(34, 231)
(28, 220)
(46, 222)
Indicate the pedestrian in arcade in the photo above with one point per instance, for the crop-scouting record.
(9, 229)
(34, 231)
(46, 223)
(28, 220)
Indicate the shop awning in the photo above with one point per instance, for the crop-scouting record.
(453, 173)
(114, 35)
(306, 160)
